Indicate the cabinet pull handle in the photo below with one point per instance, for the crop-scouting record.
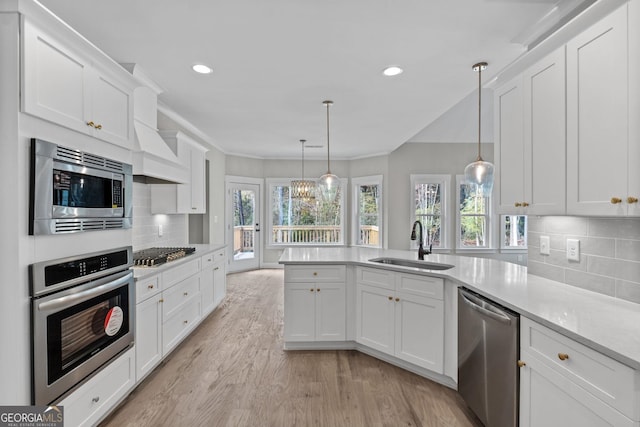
(98, 127)
(193, 208)
(185, 294)
(95, 399)
(209, 260)
(521, 364)
(185, 322)
(150, 287)
(517, 204)
(93, 125)
(390, 298)
(217, 268)
(397, 299)
(616, 200)
(563, 356)
(525, 204)
(631, 200)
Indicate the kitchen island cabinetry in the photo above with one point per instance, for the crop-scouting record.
(603, 153)
(566, 383)
(214, 286)
(401, 315)
(62, 83)
(315, 303)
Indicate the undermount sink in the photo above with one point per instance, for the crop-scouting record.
(415, 264)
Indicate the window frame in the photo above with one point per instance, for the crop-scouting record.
(356, 183)
(445, 221)
(489, 221)
(270, 183)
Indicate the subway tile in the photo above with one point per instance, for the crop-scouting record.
(602, 266)
(535, 255)
(595, 246)
(535, 224)
(559, 258)
(627, 270)
(628, 249)
(624, 228)
(629, 291)
(566, 225)
(533, 238)
(547, 271)
(557, 242)
(591, 282)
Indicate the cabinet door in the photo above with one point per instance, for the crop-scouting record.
(419, 331)
(207, 291)
(597, 123)
(299, 311)
(219, 283)
(544, 136)
(509, 150)
(148, 336)
(375, 318)
(331, 312)
(55, 80)
(111, 109)
(550, 399)
(198, 184)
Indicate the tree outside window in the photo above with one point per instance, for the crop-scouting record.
(514, 232)
(367, 211)
(474, 217)
(429, 207)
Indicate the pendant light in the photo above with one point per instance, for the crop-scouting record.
(480, 172)
(329, 184)
(303, 189)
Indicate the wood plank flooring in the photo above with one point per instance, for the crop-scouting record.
(232, 371)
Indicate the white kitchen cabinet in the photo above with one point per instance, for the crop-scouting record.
(566, 383)
(148, 335)
(63, 84)
(181, 311)
(182, 198)
(530, 139)
(602, 152)
(401, 315)
(315, 303)
(93, 400)
(213, 280)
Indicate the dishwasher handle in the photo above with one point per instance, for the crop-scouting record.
(488, 310)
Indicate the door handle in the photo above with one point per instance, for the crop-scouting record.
(257, 229)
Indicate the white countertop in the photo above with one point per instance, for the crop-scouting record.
(607, 324)
(142, 272)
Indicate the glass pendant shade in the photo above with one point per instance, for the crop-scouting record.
(303, 189)
(328, 184)
(480, 172)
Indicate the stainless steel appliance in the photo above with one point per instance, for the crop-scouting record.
(82, 316)
(488, 350)
(153, 257)
(75, 191)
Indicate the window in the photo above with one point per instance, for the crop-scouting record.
(429, 207)
(474, 217)
(513, 232)
(302, 222)
(367, 211)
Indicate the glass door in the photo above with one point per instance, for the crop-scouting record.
(243, 223)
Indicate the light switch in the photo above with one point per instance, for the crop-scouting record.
(545, 245)
(573, 249)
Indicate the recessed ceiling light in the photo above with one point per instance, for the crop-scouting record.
(394, 70)
(202, 69)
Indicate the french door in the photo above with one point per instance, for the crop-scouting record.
(243, 222)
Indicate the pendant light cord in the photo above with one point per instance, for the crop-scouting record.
(480, 108)
(328, 103)
(302, 141)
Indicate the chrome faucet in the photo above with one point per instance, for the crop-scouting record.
(421, 251)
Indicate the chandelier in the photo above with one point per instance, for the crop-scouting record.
(303, 189)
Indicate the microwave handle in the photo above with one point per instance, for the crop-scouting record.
(70, 300)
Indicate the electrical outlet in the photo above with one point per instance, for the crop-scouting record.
(573, 249)
(545, 245)
(160, 230)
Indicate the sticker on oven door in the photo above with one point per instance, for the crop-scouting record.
(113, 321)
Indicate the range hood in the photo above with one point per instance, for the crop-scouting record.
(153, 161)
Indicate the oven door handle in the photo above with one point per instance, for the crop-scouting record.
(70, 300)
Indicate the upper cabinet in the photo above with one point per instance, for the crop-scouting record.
(530, 139)
(182, 198)
(65, 85)
(602, 137)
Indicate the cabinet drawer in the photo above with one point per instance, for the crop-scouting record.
(603, 377)
(94, 399)
(177, 295)
(207, 261)
(147, 287)
(180, 272)
(376, 277)
(315, 273)
(175, 328)
(432, 287)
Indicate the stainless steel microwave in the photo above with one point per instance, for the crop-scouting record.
(74, 191)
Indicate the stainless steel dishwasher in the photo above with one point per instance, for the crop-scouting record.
(488, 349)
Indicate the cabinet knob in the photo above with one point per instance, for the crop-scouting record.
(517, 204)
(315, 273)
(93, 125)
(563, 356)
(521, 363)
(397, 299)
(185, 294)
(311, 289)
(616, 200)
(161, 300)
(185, 322)
(150, 287)
(95, 399)
(217, 268)
(525, 204)
(390, 298)
(318, 290)
(631, 200)
(209, 260)
(98, 127)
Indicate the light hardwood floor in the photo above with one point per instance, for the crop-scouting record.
(232, 371)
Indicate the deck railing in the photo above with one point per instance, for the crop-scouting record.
(243, 235)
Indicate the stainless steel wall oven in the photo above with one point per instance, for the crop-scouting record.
(75, 191)
(82, 316)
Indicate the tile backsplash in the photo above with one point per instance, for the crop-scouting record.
(609, 253)
(175, 228)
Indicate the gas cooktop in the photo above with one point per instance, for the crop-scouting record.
(153, 257)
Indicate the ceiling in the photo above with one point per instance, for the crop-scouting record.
(275, 61)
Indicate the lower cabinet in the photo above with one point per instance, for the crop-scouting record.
(214, 284)
(566, 383)
(94, 399)
(315, 303)
(401, 315)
